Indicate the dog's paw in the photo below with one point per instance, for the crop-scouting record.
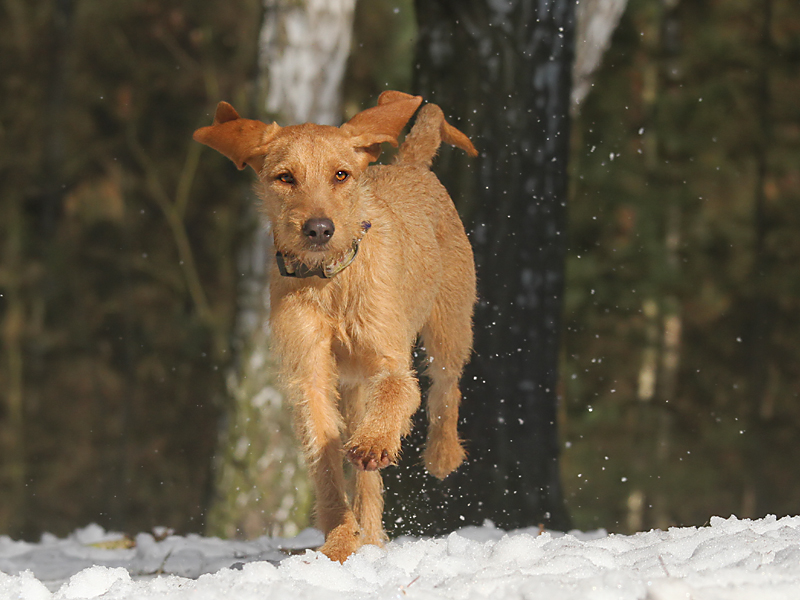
(368, 459)
(443, 455)
(370, 456)
(342, 541)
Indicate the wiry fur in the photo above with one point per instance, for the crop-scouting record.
(345, 343)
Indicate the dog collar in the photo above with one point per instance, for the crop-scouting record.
(291, 267)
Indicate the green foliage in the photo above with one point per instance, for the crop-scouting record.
(684, 216)
(118, 297)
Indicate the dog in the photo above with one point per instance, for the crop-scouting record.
(369, 258)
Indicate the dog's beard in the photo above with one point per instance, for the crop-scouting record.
(319, 255)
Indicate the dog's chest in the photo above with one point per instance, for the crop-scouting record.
(354, 345)
(358, 329)
(350, 313)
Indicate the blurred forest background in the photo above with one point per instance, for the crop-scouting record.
(122, 245)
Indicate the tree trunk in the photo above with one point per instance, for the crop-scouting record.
(304, 50)
(503, 72)
(261, 480)
(596, 22)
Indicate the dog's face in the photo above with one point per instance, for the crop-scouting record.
(310, 188)
(311, 175)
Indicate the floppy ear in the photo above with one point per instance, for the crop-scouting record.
(382, 123)
(244, 141)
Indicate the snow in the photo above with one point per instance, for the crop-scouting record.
(731, 559)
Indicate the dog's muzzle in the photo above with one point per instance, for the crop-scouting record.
(292, 267)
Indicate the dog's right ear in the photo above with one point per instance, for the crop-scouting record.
(244, 141)
(382, 123)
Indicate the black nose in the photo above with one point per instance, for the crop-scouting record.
(318, 231)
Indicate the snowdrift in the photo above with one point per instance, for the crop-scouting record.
(732, 559)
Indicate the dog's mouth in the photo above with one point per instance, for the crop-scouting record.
(317, 241)
(315, 254)
(323, 260)
(319, 251)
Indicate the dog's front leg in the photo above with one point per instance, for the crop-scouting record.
(392, 398)
(368, 491)
(309, 378)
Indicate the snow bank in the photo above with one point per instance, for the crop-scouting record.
(732, 559)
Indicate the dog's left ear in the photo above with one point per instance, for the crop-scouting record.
(382, 123)
(244, 141)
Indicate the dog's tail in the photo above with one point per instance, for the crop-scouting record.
(429, 131)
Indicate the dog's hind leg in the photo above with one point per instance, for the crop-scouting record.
(368, 507)
(443, 450)
(447, 337)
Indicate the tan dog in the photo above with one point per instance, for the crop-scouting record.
(371, 258)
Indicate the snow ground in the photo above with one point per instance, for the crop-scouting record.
(731, 559)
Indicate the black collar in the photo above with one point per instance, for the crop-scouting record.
(291, 267)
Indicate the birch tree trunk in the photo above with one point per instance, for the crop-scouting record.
(261, 483)
(596, 21)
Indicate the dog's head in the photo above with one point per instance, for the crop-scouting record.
(311, 175)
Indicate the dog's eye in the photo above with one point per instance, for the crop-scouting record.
(286, 178)
(342, 175)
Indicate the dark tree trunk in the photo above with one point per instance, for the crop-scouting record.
(502, 71)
